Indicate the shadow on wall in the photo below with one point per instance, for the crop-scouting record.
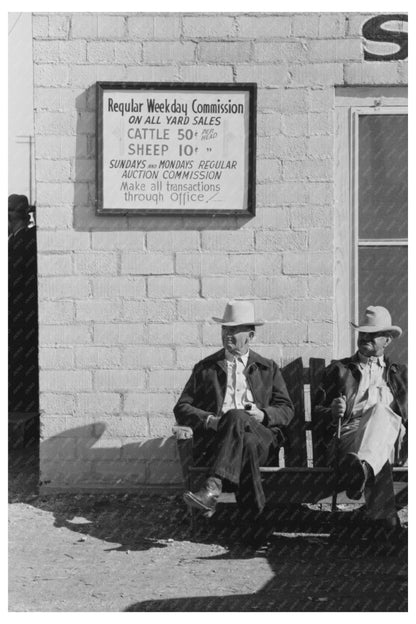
(82, 458)
(85, 217)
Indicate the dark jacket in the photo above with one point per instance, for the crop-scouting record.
(204, 392)
(343, 377)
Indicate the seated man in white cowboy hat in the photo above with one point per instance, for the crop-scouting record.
(369, 394)
(237, 403)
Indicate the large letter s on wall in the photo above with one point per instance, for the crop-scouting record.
(373, 31)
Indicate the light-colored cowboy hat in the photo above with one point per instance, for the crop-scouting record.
(238, 313)
(377, 319)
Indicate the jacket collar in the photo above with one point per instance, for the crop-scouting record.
(254, 359)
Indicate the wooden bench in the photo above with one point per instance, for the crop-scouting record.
(301, 474)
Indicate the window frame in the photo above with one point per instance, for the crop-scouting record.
(349, 105)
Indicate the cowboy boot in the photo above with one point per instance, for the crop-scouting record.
(207, 497)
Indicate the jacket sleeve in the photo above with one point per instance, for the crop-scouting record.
(186, 413)
(280, 410)
(327, 391)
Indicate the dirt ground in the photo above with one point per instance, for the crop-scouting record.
(134, 553)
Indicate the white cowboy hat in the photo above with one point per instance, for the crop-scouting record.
(377, 319)
(238, 313)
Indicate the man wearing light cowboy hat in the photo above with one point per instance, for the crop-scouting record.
(237, 403)
(369, 394)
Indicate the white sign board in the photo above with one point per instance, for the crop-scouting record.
(175, 148)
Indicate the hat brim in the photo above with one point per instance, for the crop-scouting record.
(236, 323)
(395, 330)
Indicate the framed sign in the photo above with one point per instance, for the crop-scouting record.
(176, 148)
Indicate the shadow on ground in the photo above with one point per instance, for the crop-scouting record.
(320, 561)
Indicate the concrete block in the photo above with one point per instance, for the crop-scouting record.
(55, 312)
(124, 287)
(214, 287)
(72, 52)
(372, 73)
(53, 403)
(47, 99)
(279, 51)
(97, 310)
(100, 52)
(269, 100)
(268, 263)
(287, 286)
(141, 357)
(53, 170)
(210, 27)
(231, 241)
(165, 287)
(282, 193)
(304, 217)
(321, 123)
(264, 27)
(64, 381)
(200, 309)
(54, 123)
(172, 334)
(152, 73)
(126, 426)
(167, 379)
(320, 146)
(321, 332)
(167, 27)
(141, 27)
(313, 74)
(206, 73)
(118, 380)
(111, 26)
(355, 22)
(277, 217)
(268, 170)
(128, 52)
(59, 26)
(49, 74)
(313, 308)
(59, 448)
(173, 241)
(332, 25)
(134, 263)
(54, 264)
(84, 26)
(306, 25)
(295, 125)
(269, 124)
(321, 239)
(64, 334)
(57, 217)
(320, 263)
(284, 240)
(149, 310)
(290, 332)
(95, 263)
(339, 50)
(97, 357)
(187, 357)
(283, 147)
(223, 52)
(62, 240)
(264, 75)
(45, 51)
(82, 76)
(119, 334)
(117, 241)
(320, 286)
(295, 263)
(40, 26)
(168, 52)
(239, 287)
(56, 358)
(294, 100)
(321, 99)
(63, 287)
(320, 193)
(98, 403)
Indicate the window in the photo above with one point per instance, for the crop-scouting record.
(371, 211)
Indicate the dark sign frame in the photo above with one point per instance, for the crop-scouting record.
(250, 88)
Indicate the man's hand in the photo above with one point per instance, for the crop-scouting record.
(212, 422)
(256, 412)
(338, 407)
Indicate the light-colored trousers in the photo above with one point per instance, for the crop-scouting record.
(373, 437)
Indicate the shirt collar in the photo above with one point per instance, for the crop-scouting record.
(363, 360)
(231, 358)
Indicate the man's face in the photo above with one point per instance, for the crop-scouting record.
(373, 344)
(237, 339)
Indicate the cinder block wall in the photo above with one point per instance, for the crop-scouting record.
(125, 302)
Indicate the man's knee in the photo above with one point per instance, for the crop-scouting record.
(234, 416)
